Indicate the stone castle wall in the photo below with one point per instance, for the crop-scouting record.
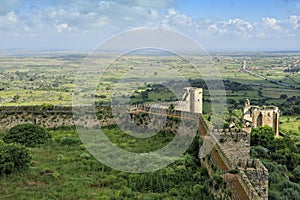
(155, 108)
(233, 146)
(253, 175)
(48, 118)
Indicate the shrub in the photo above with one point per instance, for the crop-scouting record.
(50, 173)
(30, 135)
(13, 158)
(259, 152)
(274, 178)
(1, 143)
(68, 141)
(296, 173)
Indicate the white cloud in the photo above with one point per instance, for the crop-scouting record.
(175, 19)
(295, 21)
(271, 23)
(273, 28)
(63, 27)
(236, 27)
(158, 4)
(12, 18)
(10, 22)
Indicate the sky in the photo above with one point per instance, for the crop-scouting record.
(243, 25)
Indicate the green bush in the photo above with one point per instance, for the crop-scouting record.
(259, 152)
(262, 136)
(13, 158)
(30, 135)
(68, 141)
(1, 142)
(296, 173)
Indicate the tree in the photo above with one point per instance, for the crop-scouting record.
(262, 136)
(283, 96)
(30, 135)
(13, 158)
(296, 173)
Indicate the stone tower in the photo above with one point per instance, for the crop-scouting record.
(255, 116)
(192, 100)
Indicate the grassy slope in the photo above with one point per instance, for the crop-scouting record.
(290, 123)
(69, 172)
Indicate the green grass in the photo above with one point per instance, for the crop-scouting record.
(133, 144)
(69, 172)
(290, 123)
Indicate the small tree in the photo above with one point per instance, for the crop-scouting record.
(13, 158)
(30, 135)
(283, 96)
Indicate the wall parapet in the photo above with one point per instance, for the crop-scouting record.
(258, 175)
(156, 109)
(246, 184)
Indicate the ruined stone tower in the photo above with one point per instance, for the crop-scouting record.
(255, 116)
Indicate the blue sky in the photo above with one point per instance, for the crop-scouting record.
(251, 10)
(216, 24)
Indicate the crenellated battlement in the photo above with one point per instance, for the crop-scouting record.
(253, 175)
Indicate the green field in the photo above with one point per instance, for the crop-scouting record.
(290, 123)
(36, 79)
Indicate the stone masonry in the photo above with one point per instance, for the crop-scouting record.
(255, 116)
